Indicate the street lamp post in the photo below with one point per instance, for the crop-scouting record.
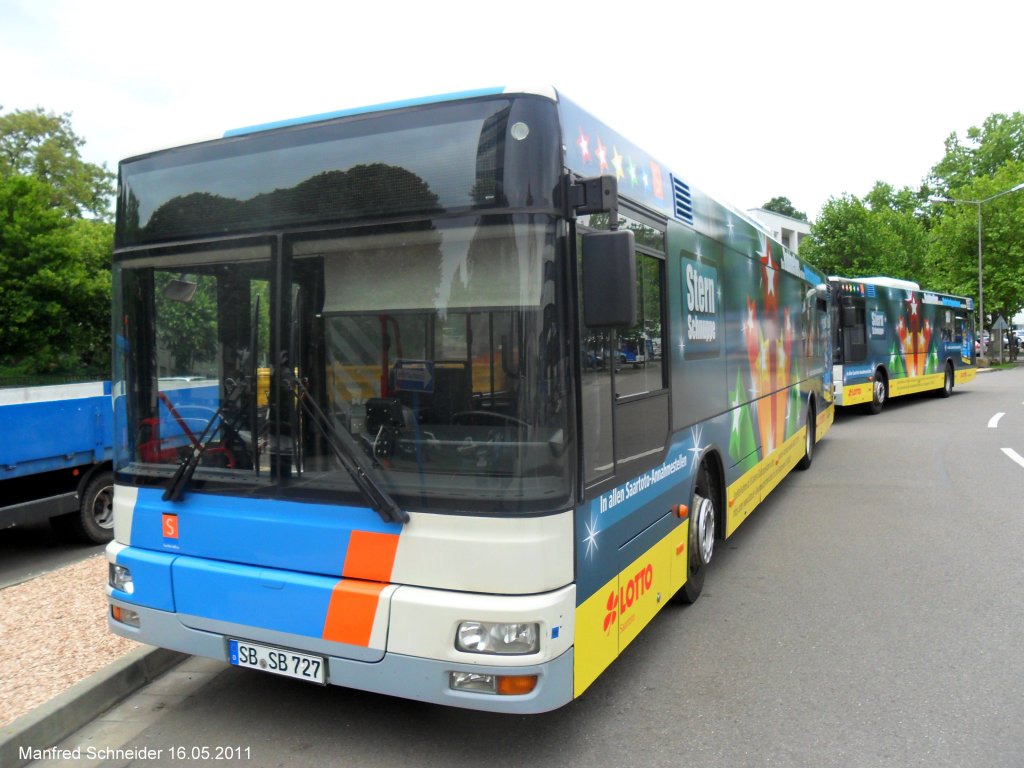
(978, 203)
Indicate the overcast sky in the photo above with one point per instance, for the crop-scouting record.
(747, 101)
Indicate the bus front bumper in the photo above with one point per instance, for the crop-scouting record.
(395, 674)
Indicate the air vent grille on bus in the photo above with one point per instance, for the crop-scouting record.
(683, 201)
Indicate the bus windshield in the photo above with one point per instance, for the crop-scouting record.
(431, 352)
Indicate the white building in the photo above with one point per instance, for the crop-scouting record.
(787, 230)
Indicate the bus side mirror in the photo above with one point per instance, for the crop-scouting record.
(609, 280)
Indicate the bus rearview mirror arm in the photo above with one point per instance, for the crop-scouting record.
(598, 194)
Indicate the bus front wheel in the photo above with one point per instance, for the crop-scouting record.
(879, 393)
(701, 538)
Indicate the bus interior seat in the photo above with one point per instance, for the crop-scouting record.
(452, 393)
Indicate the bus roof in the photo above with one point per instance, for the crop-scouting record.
(401, 104)
(885, 282)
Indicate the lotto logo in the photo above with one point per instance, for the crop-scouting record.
(613, 614)
(633, 590)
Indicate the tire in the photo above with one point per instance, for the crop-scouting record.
(947, 382)
(701, 538)
(809, 440)
(94, 521)
(879, 393)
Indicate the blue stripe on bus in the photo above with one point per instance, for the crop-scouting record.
(363, 110)
(282, 601)
(151, 578)
(270, 533)
(609, 522)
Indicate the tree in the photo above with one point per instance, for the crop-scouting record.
(785, 207)
(952, 264)
(998, 141)
(54, 283)
(44, 146)
(989, 161)
(879, 235)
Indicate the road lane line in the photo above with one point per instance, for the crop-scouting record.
(994, 421)
(1014, 456)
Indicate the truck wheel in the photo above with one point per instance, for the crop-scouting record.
(94, 521)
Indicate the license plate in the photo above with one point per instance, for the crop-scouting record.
(279, 661)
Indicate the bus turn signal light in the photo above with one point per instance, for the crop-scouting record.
(516, 685)
(682, 511)
(125, 616)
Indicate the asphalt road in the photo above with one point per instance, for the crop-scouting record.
(871, 613)
(30, 550)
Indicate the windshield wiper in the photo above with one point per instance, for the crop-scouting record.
(176, 487)
(379, 499)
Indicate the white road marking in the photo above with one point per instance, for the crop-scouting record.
(994, 421)
(1014, 456)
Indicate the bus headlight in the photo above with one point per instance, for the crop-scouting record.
(121, 578)
(499, 638)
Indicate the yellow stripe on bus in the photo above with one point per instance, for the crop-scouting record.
(613, 616)
(756, 483)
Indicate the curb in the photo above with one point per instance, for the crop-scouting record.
(55, 720)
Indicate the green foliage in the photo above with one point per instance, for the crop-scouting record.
(54, 264)
(953, 260)
(44, 146)
(785, 207)
(54, 283)
(892, 232)
(879, 235)
(999, 141)
(188, 329)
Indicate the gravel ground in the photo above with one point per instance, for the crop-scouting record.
(53, 633)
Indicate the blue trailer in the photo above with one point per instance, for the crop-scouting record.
(55, 458)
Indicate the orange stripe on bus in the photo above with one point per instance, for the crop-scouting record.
(370, 556)
(351, 612)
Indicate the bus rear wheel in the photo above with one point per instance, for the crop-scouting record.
(809, 440)
(701, 538)
(947, 382)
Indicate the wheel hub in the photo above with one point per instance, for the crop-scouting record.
(705, 529)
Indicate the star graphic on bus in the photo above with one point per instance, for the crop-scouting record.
(617, 163)
(602, 155)
(583, 142)
(591, 538)
(698, 433)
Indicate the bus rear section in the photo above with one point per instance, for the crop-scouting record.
(892, 338)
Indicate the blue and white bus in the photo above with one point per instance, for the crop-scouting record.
(441, 488)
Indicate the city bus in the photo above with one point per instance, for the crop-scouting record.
(422, 471)
(891, 338)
